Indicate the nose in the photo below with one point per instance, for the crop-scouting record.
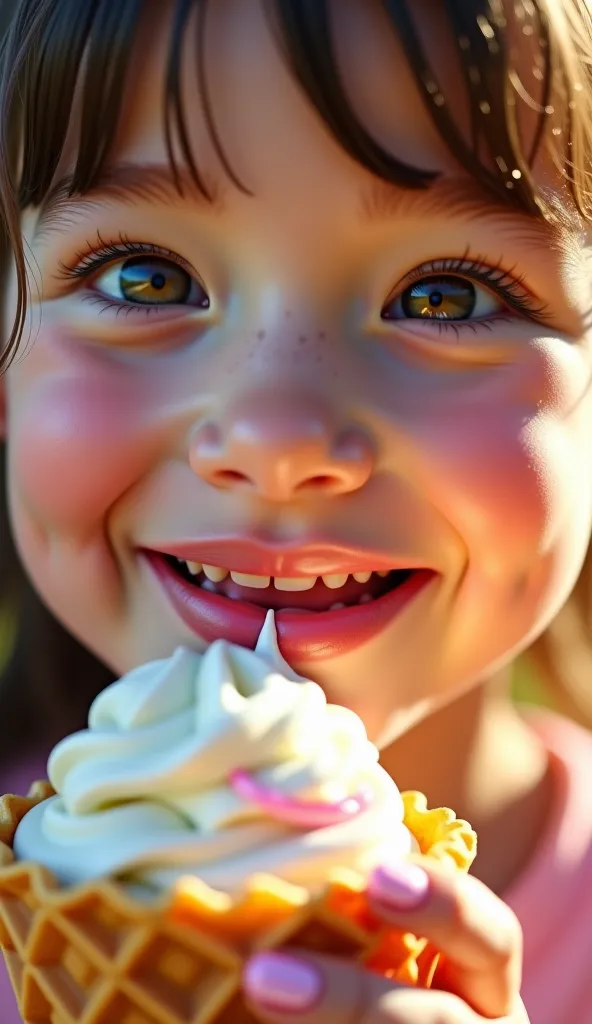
(282, 447)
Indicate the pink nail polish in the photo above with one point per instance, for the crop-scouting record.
(281, 982)
(400, 886)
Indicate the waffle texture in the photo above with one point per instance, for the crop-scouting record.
(94, 955)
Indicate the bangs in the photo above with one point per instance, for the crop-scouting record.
(57, 47)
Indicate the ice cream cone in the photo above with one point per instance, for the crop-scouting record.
(93, 953)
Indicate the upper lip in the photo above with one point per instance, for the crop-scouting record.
(258, 559)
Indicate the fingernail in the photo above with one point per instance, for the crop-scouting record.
(280, 982)
(400, 886)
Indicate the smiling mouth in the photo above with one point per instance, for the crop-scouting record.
(318, 617)
(331, 592)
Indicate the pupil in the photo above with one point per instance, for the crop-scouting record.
(154, 280)
(442, 297)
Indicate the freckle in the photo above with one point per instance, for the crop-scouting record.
(261, 334)
(319, 358)
(322, 335)
(521, 587)
(302, 339)
(287, 313)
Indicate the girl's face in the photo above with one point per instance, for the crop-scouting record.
(317, 375)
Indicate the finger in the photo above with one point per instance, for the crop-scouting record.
(478, 934)
(306, 989)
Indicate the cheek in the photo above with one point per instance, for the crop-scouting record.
(76, 446)
(494, 491)
(508, 465)
(521, 483)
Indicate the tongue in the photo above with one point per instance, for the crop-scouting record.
(319, 598)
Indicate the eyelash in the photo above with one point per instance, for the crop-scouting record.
(102, 253)
(502, 283)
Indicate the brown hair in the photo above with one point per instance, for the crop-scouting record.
(51, 46)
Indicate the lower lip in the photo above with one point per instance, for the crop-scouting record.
(303, 636)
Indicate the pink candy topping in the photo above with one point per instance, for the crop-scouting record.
(299, 813)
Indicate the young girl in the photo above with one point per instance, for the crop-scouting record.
(296, 315)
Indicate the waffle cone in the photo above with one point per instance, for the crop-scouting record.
(92, 954)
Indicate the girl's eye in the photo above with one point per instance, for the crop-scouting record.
(150, 281)
(443, 297)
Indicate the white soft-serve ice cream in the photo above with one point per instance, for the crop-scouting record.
(220, 765)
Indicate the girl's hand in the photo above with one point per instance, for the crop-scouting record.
(479, 979)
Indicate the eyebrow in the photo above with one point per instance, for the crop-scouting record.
(379, 201)
(462, 196)
(125, 183)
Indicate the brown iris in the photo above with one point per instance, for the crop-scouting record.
(151, 281)
(439, 298)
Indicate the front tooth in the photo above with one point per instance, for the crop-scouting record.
(362, 577)
(194, 568)
(335, 581)
(214, 573)
(294, 582)
(246, 579)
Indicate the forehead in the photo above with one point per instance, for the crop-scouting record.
(250, 125)
(261, 116)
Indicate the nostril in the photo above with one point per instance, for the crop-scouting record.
(230, 477)
(320, 482)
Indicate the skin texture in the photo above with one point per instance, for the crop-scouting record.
(471, 446)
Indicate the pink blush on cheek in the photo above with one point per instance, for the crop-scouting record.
(77, 446)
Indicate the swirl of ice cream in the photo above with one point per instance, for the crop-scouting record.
(211, 764)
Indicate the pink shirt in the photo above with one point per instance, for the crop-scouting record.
(553, 898)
